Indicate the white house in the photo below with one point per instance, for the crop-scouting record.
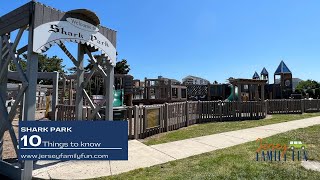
(194, 81)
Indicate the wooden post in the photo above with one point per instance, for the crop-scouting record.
(55, 94)
(302, 106)
(187, 113)
(249, 90)
(239, 92)
(317, 104)
(234, 113)
(262, 92)
(209, 93)
(136, 121)
(239, 103)
(71, 92)
(3, 94)
(256, 88)
(21, 105)
(220, 110)
(199, 111)
(166, 119)
(109, 92)
(30, 100)
(38, 105)
(63, 93)
(266, 106)
(79, 88)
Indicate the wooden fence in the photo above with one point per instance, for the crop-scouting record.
(310, 106)
(145, 121)
(148, 120)
(290, 106)
(231, 111)
(67, 112)
(284, 106)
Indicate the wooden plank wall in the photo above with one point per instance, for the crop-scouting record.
(15, 19)
(310, 106)
(284, 106)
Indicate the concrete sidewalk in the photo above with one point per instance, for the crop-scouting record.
(141, 156)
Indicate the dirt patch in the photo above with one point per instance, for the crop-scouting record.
(8, 148)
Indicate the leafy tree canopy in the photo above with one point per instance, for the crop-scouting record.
(45, 64)
(122, 67)
(308, 84)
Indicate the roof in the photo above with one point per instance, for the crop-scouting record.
(247, 81)
(264, 71)
(194, 77)
(282, 69)
(89, 14)
(256, 76)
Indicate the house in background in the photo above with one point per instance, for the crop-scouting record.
(193, 80)
(295, 82)
(173, 81)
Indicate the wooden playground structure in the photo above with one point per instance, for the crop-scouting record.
(158, 91)
(41, 25)
(163, 103)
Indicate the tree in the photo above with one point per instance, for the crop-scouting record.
(310, 87)
(122, 67)
(50, 64)
(22, 62)
(308, 84)
(45, 64)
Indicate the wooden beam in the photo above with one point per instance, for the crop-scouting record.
(80, 78)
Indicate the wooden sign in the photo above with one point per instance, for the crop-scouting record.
(72, 30)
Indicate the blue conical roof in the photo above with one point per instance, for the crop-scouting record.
(282, 68)
(264, 72)
(256, 76)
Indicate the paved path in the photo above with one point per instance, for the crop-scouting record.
(141, 156)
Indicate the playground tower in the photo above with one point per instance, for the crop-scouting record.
(265, 75)
(256, 76)
(284, 80)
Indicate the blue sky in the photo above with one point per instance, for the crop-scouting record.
(208, 38)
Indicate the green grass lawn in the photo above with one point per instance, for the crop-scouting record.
(237, 162)
(219, 127)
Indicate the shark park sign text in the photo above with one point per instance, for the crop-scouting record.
(72, 30)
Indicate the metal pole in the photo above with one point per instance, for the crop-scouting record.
(79, 88)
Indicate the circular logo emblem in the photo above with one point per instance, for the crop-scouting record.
(287, 82)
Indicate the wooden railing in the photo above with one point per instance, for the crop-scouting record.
(290, 106)
(284, 106)
(67, 112)
(145, 121)
(311, 105)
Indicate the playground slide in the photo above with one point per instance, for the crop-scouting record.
(231, 98)
(118, 98)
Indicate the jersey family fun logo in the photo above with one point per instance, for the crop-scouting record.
(294, 150)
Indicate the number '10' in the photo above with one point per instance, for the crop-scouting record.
(32, 140)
